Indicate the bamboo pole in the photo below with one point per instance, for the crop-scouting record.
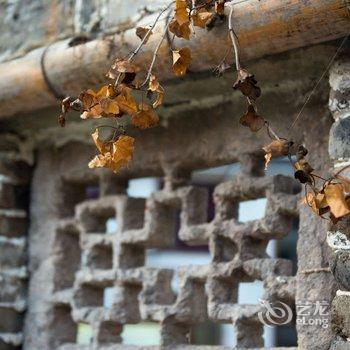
(264, 28)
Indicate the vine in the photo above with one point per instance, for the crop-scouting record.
(324, 196)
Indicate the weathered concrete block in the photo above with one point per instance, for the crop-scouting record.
(339, 139)
(341, 315)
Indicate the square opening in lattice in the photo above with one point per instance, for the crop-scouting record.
(145, 333)
(252, 210)
(250, 292)
(206, 333)
(131, 256)
(84, 334)
(63, 329)
(100, 257)
(96, 220)
(66, 256)
(89, 295)
(72, 194)
(11, 320)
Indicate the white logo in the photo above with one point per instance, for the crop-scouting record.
(275, 314)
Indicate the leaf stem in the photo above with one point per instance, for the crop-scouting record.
(234, 40)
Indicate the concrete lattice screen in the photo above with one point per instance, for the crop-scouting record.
(140, 293)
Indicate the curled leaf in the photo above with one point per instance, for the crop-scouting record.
(181, 13)
(143, 33)
(220, 7)
(181, 61)
(125, 101)
(303, 171)
(275, 149)
(201, 17)
(113, 154)
(145, 118)
(154, 86)
(125, 68)
(252, 120)
(99, 104)
(246, 83)
(180, 30)
(317, 203)
(335, 197)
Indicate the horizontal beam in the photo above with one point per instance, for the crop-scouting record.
(263, 28)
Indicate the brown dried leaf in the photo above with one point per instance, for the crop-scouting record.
(124, 66)
(126, 102)
(181, 61)
(220, 7)
(145, 118)
(201, 17)
(180, 30)
(252, 120)
(142, 33)
(109, 106)
(62, 120)
(345, 183)
(317, 203)
(154, 86)
(181, 13)
(303, 171)
(275, 149)
(335, 197)
(246, 83)
(113, 155)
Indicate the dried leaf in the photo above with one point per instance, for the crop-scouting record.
(267, 157)
(145, 118)
(201, 17)
(62, 120)
(154, 86)
(220, 7)
(303, 171)
(246, 83)
(336, 200)
(142, 33)
(126, 102)
(275, 149)
(180, 30)
(252, 120)
(124, 66)
(181, 13)
(345, 183)
(181, 61)
(109, 106)
(317, 203)
(113, 155)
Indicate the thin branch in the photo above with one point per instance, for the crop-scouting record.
(149, 72)
(234, 39)
(135, 52)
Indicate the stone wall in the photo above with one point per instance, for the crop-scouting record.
(48, 21)
(13, 252)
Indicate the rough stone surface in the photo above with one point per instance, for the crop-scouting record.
(13, 272)
(339, 139)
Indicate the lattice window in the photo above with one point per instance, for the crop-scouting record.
(110, 264)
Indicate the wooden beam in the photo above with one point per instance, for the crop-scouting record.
(263, 27)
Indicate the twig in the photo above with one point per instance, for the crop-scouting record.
(270, 131)
(135, 52)
(234, 39)
(149, 72)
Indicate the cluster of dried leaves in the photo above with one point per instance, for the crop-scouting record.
(119, 98)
